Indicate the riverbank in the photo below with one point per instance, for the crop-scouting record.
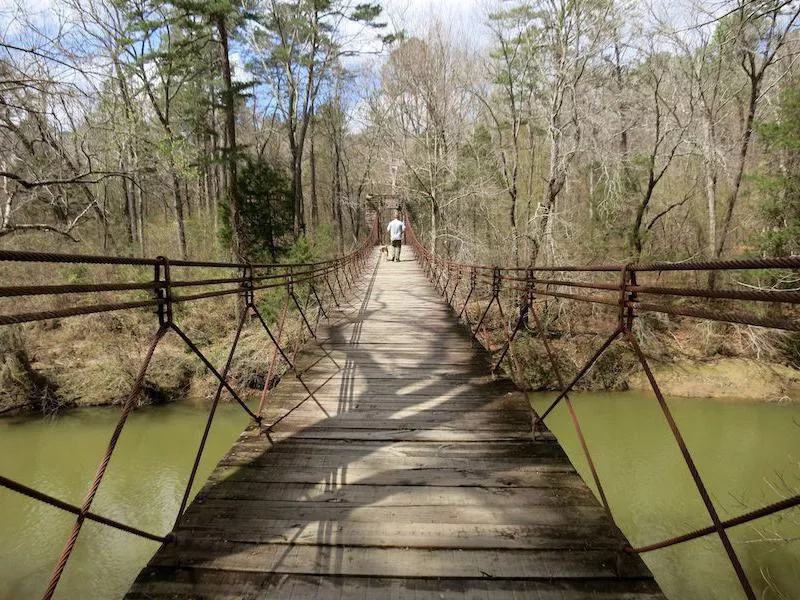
(55, 366)
(733, 379)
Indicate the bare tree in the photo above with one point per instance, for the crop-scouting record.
(758, 33)
(424, 108)
(569, 35)
(295, 49)
(669, 113)
(49, 170)
(512, 72)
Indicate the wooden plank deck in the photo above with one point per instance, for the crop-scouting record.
(409, 474)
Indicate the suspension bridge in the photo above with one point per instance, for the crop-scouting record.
(395, 459)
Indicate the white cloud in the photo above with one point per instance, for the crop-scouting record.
(464, 18)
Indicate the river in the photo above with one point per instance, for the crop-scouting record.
(143, 487)
(749, 455)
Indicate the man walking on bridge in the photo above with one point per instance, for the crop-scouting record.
(396, 229)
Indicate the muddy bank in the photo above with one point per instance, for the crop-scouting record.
(52, 371)
(724, 378)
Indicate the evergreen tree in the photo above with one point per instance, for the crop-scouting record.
(780, 180)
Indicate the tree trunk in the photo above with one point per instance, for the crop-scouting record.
(736, 184)
(187, 198)
(434, 224)
(105, 221)
(556, 178)
(529, 194)
(709, 164)
(214, 183)
(128, 210)
(230, 130)
(313, 166)
(297, 188)
(140, 215)
(637, 244)
(546, 209)
(513, 221)
(5, 217)
(177, 207)
(336, 199)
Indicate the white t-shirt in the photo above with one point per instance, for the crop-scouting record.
(396, 229)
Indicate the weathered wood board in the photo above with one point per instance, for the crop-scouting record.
(407, 473)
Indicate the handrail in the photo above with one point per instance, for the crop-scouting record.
(320, 280)
(526, 287)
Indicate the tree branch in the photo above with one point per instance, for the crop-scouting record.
(9, 229)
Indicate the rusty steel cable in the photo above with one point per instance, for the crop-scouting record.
(698, 480)
(50, 257)
(765, 511)
(30, 492)
(212, 411)
(45, 315)
(776, 295)
(790, 262)
(273, 360)
(49, 290)
(63, 558)
(573, 415)
(721, 316)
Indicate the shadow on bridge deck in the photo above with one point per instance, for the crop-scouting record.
(410, 473)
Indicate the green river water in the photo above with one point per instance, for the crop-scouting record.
(749, 455)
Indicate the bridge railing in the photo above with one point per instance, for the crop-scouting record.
(308, 289)
(616, 287)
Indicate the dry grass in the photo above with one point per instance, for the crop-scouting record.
(670, 343)
(94, 360)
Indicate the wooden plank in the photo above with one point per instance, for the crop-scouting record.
(362, 453)
(351, 495)
(258, 457)
(389, 377)
(312, 412)
(486, 536)
(392, 371)
(357, 354)
(540, 476)
(410, 390)
(300, 511)
(496, 449)
(291, 391)
(347, 421)
(333, 402)
(159, 583)
(399, 562)
(435, 434)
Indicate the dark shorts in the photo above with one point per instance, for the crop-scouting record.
(396, 243)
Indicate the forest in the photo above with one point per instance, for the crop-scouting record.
(535, 132)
